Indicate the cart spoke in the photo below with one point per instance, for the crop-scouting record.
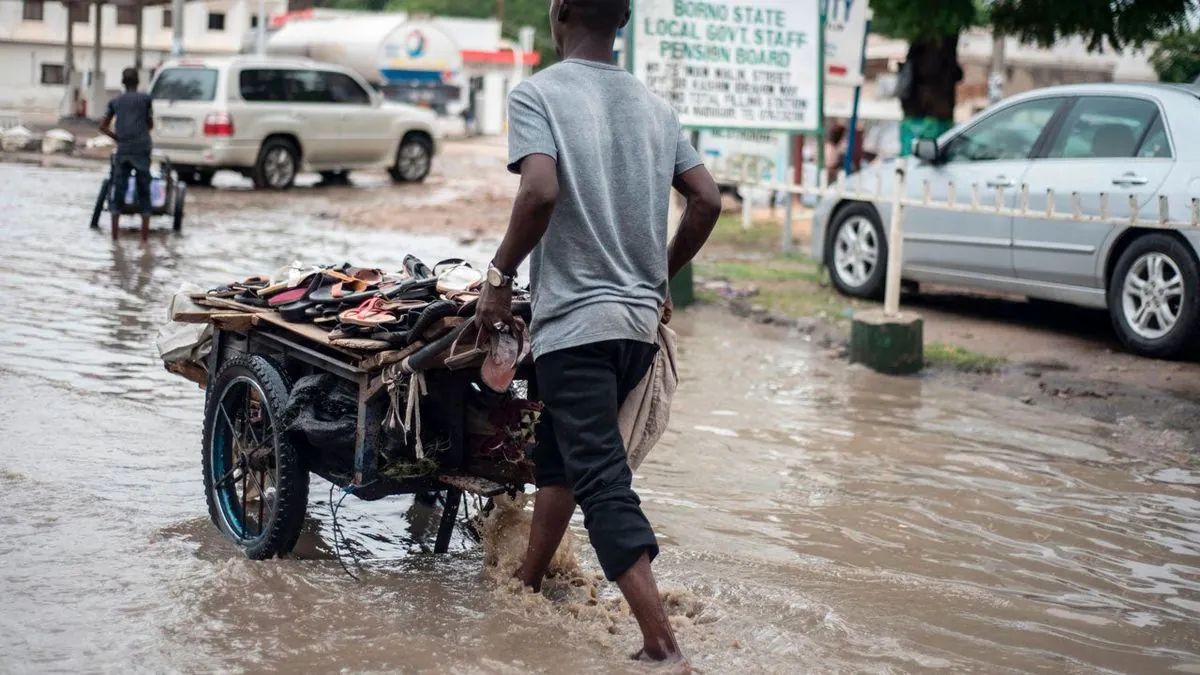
(262, 499)
(232, 429)
(243, 525)
(224, 479)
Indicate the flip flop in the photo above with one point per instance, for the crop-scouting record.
(368, 314)
(416, 269)
(447, 264)
(459, 278)
(421, 289)
(438, 310)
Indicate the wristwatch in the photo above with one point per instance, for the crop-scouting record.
(498, 279)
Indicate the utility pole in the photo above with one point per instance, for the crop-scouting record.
(500, 11)
(176, 28)
(996, 77)
(261, 42)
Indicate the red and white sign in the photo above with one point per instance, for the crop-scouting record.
(845, 31)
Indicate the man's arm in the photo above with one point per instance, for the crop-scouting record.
(531, 211)
(699, 216)
(106, 123)
(149, 114)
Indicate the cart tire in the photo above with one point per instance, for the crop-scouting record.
(180, 194)
(100, 199)
(241, 412)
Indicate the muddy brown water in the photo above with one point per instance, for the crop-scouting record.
(813, 517)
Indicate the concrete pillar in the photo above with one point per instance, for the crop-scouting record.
(138, 37)
(96, 101)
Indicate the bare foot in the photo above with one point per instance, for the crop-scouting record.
(522, 576)
(675, 660)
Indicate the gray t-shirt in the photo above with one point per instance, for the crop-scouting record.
(133, 113)
(600, 272)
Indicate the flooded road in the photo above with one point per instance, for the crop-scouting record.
(814, 517)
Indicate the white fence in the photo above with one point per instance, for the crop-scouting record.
(853, 188)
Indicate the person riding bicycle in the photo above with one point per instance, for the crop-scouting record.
(134, 119)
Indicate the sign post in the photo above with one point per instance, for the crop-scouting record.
(732, 66)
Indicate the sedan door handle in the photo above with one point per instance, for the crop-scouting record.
(1130, 179)
(1000, 182)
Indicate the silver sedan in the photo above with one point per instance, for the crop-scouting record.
(1128, 142)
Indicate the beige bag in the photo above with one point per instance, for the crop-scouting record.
(644, 414)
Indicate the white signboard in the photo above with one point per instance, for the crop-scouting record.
(751, 64)
(845, 30)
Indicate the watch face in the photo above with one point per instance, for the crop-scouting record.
(495, 278)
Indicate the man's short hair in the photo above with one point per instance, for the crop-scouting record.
(129, 77)
(601, 15)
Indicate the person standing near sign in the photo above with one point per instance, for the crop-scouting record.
(134, 119)
(598, 155)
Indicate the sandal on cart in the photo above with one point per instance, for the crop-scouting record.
(415, 269)
(368, 314)
(297, 312)
(505, 353)
(437, 310)
(448, 263)
(422, 289)
(459, 278)
(467, 349)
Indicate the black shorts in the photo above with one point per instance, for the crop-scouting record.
(580, 445)
(137, 166)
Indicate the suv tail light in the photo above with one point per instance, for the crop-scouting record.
(218, 124)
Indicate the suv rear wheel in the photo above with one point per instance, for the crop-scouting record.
(413, 159)
(1154, 297)
(278, 163)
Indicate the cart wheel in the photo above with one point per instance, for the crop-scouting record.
(254, 481)
(100, 203)
(180, 193)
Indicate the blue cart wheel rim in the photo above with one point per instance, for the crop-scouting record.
(241, 458)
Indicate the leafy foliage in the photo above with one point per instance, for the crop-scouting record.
(1177, 57)
(1101, 23)
(923, 20)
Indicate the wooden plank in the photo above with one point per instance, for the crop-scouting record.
(233, 321)
(226, 303)
(199, 316)
(474, 484)
(387, 358)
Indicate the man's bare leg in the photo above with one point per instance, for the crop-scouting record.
(145, 228)
(552, 509)
(116, 225)
(641, 592)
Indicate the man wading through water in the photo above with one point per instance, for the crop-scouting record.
(597, 154)
(134, 121)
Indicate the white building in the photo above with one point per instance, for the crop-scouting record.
(33, 51)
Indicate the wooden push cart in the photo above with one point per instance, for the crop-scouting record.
(256, 474)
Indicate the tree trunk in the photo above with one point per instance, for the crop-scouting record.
(935, 74)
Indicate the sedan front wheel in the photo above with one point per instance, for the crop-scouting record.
(857, 254)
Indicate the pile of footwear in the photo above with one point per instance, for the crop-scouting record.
(371, 309)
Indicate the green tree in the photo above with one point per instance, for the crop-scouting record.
(1177, 56)
(932, 28)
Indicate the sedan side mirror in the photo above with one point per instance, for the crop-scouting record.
(926, 149)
